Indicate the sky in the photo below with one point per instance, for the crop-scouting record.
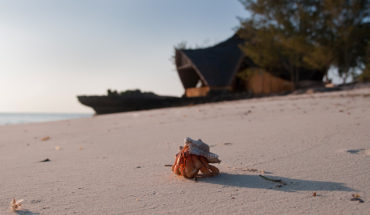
(51, 51)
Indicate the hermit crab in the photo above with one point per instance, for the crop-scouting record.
(194, 157)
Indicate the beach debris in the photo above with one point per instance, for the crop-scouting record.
(45, 160)
(273, 180)
(355, 151)
(45, 138)
(35, 201)
(259, 171)
(247, 112)
(15, 205)
(314, 194)
(193, 157)
(254, 170)
(58, 148)
(356, 197)
(168, 165)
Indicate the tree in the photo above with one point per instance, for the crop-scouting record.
(365, 75)
(293, 34)
(349, 22)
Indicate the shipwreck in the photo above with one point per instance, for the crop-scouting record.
(207, 75)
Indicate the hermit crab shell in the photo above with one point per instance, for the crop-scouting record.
(198, 147)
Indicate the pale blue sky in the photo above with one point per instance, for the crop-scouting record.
(51, 51)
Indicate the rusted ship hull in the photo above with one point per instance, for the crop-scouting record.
(115, 104)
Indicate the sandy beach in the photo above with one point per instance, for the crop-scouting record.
(116, 164)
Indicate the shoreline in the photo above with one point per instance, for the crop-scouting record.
(16, 118)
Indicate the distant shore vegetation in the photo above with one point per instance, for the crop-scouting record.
(310, 34)
(133, 92)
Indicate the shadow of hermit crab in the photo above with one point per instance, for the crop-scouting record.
(193, 158)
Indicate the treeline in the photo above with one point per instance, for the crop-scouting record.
(313, 34)
(135, 92)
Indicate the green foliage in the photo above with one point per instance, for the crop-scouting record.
(128, 93)
(247, 73)
(312, 34)
(365, 75)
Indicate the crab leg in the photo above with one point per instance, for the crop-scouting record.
(214, 170)
(175, 163)
(197, 164)
(189, 170)
(176, 166)
(206, 171)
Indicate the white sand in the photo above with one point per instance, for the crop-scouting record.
(114, 164)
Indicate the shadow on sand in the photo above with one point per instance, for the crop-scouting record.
(292, 185)
(26, 212)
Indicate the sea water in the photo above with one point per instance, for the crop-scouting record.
(20, 118)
